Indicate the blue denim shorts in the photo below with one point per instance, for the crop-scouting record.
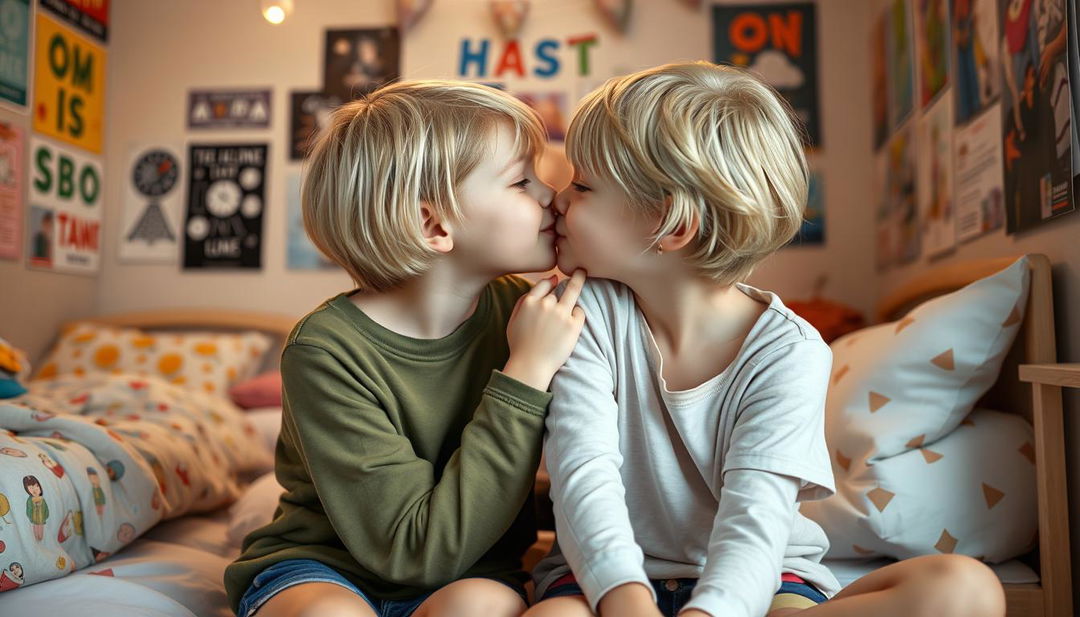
(285, 574)
(673, 594)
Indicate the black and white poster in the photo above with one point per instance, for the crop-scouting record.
(358, 61)
(226, 197)
(228, 109)
(310, 114)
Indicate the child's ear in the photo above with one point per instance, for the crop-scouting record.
(682, 235)
(436, 232)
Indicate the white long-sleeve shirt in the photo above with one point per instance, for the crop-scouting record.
(703, 483)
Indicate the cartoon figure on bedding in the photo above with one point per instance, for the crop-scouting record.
(5, 508)
(11, 578)
(48, 461)
(99, 494)
(36, 508)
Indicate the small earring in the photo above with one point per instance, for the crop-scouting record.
(659, 250)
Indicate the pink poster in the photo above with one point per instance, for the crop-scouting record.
(11, 206)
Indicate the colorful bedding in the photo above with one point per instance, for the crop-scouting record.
(89, 463)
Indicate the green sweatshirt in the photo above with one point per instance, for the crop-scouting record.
(407, 464)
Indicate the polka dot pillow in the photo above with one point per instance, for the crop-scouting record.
(207, 361)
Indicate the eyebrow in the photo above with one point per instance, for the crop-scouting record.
(511, 164)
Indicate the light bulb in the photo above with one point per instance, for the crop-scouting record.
(275, 11)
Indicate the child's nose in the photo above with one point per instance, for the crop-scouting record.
(562, 202)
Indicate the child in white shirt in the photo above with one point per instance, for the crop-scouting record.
(688, 422)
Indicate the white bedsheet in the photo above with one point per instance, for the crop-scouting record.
(174, 570)
(848, 570)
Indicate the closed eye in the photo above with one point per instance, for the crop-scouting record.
(581, 188)
(524, 183)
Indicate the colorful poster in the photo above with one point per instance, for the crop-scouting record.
(69, 85)
(932, 42)
(903, 212)
(11, 195)
(551, 106)
(14, 51)
(901, 76)
(67, 189)
(879, 80)
(226, 198)
(90, 16)
(302, 254)
(358, 61)
(976, 51)
(1036, 113)
(812, 231)
(935, 181)
(153, 204)
(310, 114)
(779, 43)
(228, 109)
(980, 201)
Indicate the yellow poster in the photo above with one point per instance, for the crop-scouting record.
(69, 85)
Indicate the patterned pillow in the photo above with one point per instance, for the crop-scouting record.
(898, 393)
(207, 361)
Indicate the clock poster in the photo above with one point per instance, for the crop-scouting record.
(153, 204)
(226, 196)
(67, 189)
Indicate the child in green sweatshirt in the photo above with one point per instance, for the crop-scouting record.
(414, 406)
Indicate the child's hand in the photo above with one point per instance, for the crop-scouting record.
(543, 330)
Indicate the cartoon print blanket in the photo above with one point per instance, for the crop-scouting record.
(88, 463)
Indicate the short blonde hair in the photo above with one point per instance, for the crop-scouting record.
(383, 154)
(715, 142)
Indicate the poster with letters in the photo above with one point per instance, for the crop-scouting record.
(69, 85)
(223, 225)
(980, 200)
(779, 43)
(67, 188)
(89, 16)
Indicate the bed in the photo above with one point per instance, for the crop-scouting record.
(176, 568)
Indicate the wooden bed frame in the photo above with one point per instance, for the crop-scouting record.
(1052, 596)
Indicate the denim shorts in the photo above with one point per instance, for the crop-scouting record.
(672, 594)
(285, 574)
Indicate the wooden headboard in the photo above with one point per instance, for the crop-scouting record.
(1034, 342)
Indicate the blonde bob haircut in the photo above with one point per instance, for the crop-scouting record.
(699, 141)
(381, 156)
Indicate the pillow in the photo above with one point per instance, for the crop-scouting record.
(904, 384)
(261, 391)
(899, 391)
(254, 509)
(207, 361)
(971, 492)
(14, 369)
(267, 423)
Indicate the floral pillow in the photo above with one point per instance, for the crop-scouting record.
(206, 361)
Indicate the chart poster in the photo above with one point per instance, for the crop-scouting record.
(976, 56)
(937, 209)
(358, 61)
(980, 200)
(14, 52)
(228, 109)
(1036, 109)
(153, 204)
(67, 188)
(12, 141)
(69, 85)
(901, 70)
(932, 44)
(89, 16)
(310, 115)
(302, 254)
(226, 195)
(779, 43)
